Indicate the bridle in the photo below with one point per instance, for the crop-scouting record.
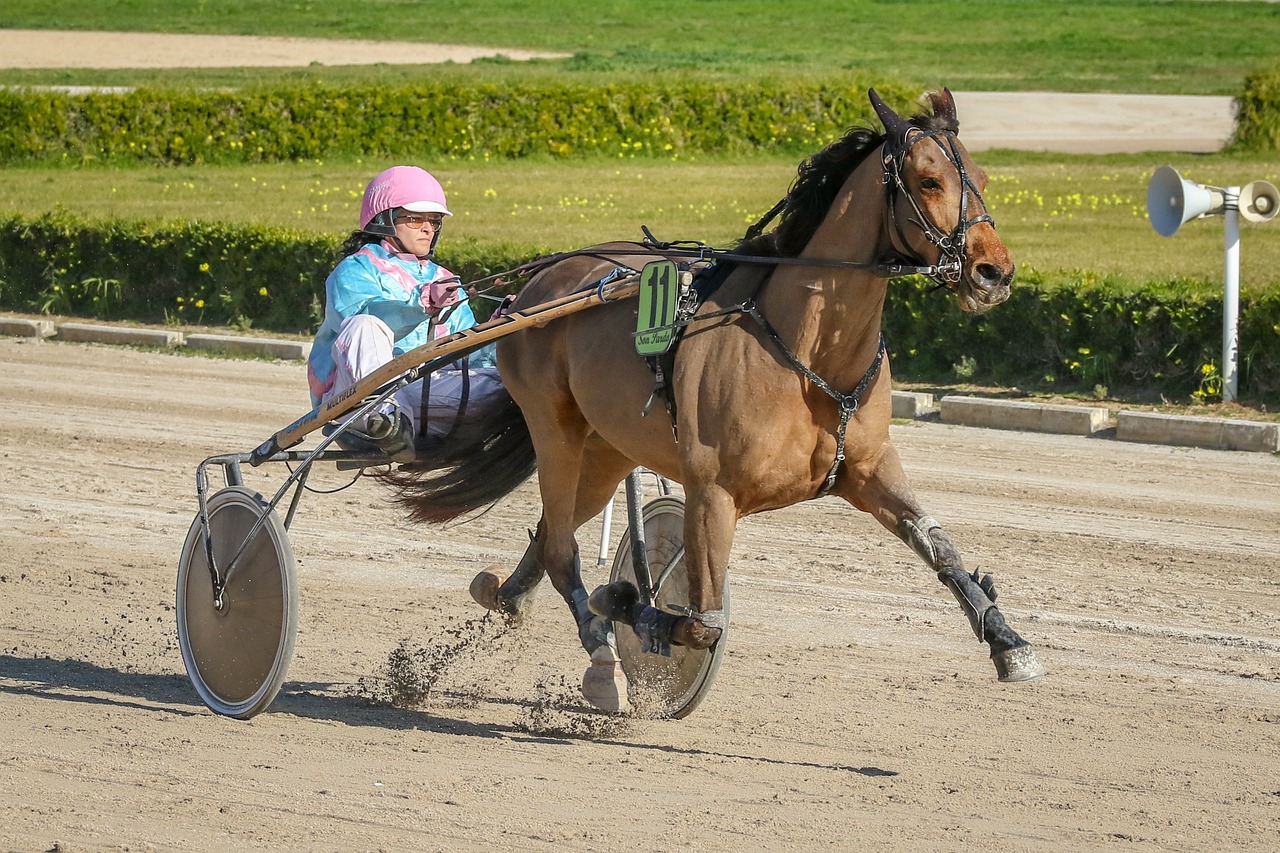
(951, 247)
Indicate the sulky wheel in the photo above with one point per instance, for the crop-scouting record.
(665, 686)
(237, 655)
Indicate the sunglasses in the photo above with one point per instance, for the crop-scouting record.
(418, 221)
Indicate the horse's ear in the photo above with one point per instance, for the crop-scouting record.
(944, 106)
(894, 124)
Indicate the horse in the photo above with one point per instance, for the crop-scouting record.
(780, 391)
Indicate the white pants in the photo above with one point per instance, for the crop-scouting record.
(365, 343)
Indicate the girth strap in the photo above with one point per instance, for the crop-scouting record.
(848, 403)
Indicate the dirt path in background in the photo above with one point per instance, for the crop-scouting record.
(71, 49)
(854, 709)
(1034, 121)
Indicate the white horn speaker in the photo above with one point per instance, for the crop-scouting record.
(1259, 201)
(1173, 200)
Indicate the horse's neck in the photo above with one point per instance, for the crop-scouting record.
(831, 316)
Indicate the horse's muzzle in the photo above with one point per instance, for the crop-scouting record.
(985, 286)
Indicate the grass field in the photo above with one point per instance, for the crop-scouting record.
(1174, 46)
(1057, 212)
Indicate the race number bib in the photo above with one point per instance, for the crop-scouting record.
(659, 297)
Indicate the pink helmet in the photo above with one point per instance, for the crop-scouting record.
(407, 187)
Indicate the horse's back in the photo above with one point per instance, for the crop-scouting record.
(584, 366)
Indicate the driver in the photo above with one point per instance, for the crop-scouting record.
(387, 296)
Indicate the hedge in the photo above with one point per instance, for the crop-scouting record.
(449, 118)
(1069, 331)
(1258, 112)
(445, 118)
(186, 273)
(1076, 331)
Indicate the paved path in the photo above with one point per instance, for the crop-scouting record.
(64, 49)
(1093, 123)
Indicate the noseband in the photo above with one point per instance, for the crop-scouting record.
(951, 247)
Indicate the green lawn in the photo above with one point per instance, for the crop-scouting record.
(1057, 212)
(1178, 46)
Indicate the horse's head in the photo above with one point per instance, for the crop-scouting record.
(935, 211)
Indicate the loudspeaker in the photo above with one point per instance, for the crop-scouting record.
(1173, 200)
(1259, 201)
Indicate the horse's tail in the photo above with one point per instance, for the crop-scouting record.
(481, 462)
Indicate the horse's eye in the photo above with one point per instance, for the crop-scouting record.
(930, 184)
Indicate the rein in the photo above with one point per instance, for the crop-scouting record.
(946, 273)
(698, 250)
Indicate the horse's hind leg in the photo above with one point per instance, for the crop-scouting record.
(599, 473)
(512, 595)
(576, 481)
(884, 492)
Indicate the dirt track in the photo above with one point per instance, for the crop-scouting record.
(87, 49)
(854, 709)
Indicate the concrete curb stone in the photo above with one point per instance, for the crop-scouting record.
(1018, 415)
(289, 350)
(1186, 431)
(913, 405)
(18, 327)
(92, 333)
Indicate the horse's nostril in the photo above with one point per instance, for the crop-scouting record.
(988, 275)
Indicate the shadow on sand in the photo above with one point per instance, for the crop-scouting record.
(78, 681)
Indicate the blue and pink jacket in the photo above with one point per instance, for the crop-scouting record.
(397, 289)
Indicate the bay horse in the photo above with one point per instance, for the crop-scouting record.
(780, 390)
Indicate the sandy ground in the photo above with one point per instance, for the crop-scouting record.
(854, 710)
(1035, 121)
(66, 49)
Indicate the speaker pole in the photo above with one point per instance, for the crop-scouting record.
(1230, 294)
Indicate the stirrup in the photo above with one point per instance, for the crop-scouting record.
(394, 437)
(397, 443)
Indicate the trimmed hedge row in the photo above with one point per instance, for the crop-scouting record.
(444, 118)
(1258, 111)
(186, 273)
(1069, 332)
(1077, 331)
(448, 118)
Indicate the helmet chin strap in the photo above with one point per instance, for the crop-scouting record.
(396, 241)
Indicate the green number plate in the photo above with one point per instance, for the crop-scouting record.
(659, 293)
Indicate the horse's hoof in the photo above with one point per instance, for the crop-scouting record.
(604, 684)
(1017, 664)
(614, 601)
(485, 586)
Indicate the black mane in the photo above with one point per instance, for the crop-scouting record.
(818, 181)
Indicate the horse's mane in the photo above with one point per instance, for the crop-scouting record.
(818, 181)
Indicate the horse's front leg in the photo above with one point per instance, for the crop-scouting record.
(710, 518)
(880, 487)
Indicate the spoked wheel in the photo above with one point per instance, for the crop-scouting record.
(237, 655)
(665, 686)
